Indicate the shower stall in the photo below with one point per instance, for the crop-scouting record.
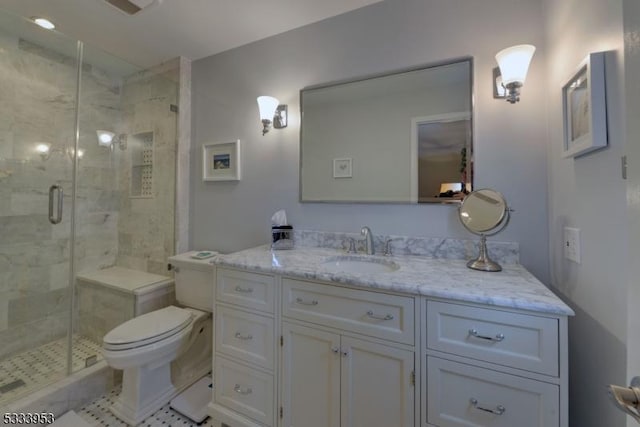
(87, 181)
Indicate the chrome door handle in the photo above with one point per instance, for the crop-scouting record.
(244, 290)
(374, 316)
(303, 302)
(58, 218)
(474, 333)
(239, 390)
(243, 337)
(335, 350)
(498, 411)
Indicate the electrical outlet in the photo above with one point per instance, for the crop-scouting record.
(572, 244)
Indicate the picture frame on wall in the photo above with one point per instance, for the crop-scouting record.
(584, 108)
(221, 161)
(343, 168)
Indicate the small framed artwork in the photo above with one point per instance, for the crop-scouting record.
(342, 168)
(221, 161)
(585, 108)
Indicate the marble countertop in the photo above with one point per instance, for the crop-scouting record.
(513, 287)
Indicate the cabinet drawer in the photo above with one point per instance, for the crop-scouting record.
(516, 340)
(251, 290)
(244, 390)
(460, 395)
(247, 336)
(384, 316)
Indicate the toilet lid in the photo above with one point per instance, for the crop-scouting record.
(149, 327)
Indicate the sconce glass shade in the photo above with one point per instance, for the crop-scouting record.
(43, 148)
(267, 106)
(44, 23)
(105, 138)
(514, 63)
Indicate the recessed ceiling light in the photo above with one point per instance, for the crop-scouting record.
(44, 23)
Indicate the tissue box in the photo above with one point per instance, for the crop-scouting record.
(282, 237)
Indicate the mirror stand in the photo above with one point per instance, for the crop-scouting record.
(484, 262)
(485, 213)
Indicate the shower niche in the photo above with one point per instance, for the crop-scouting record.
(141, 147)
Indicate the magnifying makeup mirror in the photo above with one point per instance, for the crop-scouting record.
(485, 213)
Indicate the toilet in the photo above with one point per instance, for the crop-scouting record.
(165, 351)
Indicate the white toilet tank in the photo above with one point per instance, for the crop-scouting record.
(194, 280)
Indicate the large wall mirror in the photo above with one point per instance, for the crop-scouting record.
(403, 137)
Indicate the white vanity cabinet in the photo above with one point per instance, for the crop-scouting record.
(244, 366)
(334, 371)
(331, 380)
(493, 367)
(293, 352)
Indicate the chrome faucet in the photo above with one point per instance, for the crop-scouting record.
(368, 240)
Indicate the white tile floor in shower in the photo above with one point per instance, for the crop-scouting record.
(97, 414)
(43, 365)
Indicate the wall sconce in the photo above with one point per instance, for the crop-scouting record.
(513, 64)
(272, 111)
(45, 150)
(107, 139)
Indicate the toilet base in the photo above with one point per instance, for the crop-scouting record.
(144, 391)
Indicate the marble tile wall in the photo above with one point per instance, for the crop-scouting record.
(101, 309)
(433, 247)
(38, 89)
(146, 225)
(38, 105)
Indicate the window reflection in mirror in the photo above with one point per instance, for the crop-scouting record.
(403, 137)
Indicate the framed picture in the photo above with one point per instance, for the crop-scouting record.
(342, 168)
(221, 161)
(585, 108)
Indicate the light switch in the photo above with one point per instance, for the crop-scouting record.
(572, 244)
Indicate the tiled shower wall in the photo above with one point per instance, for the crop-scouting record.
(37, 105)
(146, 225)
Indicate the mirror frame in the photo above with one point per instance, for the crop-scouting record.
(435, 200)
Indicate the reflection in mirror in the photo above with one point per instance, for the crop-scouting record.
(404, 137)
(485, 213)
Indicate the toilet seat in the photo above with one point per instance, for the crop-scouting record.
(148, 329)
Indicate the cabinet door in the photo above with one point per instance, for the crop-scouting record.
(310, 377)
(377, 385)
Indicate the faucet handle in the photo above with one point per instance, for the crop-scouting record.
(352, 245)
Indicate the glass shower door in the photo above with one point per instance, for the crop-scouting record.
(37, 136)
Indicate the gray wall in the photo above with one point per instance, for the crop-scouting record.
(589, 193)
(510, 140)
(631, 14)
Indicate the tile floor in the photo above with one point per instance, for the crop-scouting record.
(97, 414)
(43, 365)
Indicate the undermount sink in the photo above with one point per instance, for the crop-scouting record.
(357, 264)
